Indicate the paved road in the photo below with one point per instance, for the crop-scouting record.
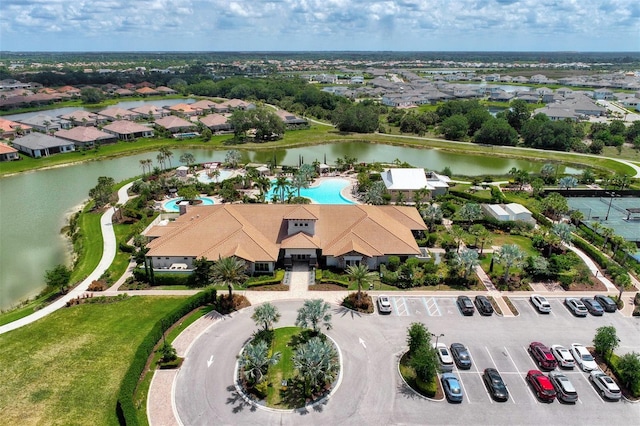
(372, 391)
(108, 254)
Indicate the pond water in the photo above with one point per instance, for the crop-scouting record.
(34, 206)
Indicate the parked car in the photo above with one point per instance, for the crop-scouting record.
(384, 304)
(576, 306)
(605, 384)
(593, 306)
(465, 305)
(451, 387)
(484, 305)
(563, 356)
(494, 383)
(541, 385)
(606, 302)
(461, 356)
(541, 303)
(565, 391)
(543, 356)
(446, 360)
(583, 357)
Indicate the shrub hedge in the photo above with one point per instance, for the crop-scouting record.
(125, 408)
(266, 279)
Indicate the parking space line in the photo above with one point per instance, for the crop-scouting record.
(592, 387)
(517, 369)
(405, 311)
(492, 360)
(465, 390)
(530, 358)
(432, 306)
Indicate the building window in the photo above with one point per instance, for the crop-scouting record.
(261, 267)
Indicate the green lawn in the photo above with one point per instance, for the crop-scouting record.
(284, 369)
(89, 245)
(67, 368)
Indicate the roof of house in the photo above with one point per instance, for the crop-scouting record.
(40, 141)
(12, 126)
(40, 119)
(203, 104)
(146, 91)
(497, 210)
(79, 115)
(405, 179)
(115, 112)
(6, 149)
(515, 208)
(256, 232)
(124, 127)
(146, 109)
(172, 122)
(184, 108)
(83, 134)
(214, 120)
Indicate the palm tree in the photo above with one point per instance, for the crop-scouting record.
(476, 230)
(255, 361)
(484, 236)
(229, 271)
(317, 362)
(361, 276)
(375, 194)
(312, 313)
(568, 182)
(143, 165)
(400, 198)
(232, 158)
(468, 259)
(214, 174)
(300, 181)
(432, 214)
(166, 154)
(281, 186)
(458, 234)
(418, 196)
(606, 233)
(470, 212)
(595, 226)
(266, 314)
(187, 158)
(509, 255)
(563, 231)
(160, 158)
(263, 184)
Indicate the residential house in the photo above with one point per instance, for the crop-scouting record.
(70, 90)
(603, 93)
(128, 130)
(46, 123)
(175, 124)
(150, 111)
(217, 123)
(508, 212)
(166, 90)
(203, 106)
(185, 110)
(8, 153)
(147, 91)
(10, 84)
(39, 145)
(266, 235)
(115, 113)
(124, 92)
(83, 118)
(233, 104)
(10, 129)
(86, 137)
(291, 121)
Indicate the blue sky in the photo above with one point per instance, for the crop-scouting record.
(300, 25)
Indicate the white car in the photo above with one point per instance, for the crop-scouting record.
(446, 360)
(563, 356)
(605, 384)
(576, 306)
(583, 357)
(384, 304)
(541, 303)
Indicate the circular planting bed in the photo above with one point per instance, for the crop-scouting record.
(432, 390)
(288, 368)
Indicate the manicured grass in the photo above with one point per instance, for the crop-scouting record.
(523, 242)
(27, 309)
(89, 245)
(284, 369)
(67, 367)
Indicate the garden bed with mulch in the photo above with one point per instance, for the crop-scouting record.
(326, 287)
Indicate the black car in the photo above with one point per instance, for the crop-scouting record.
(593, 306)
(461, 356)
(606, 302)
(483, 305)
(494, 383)
(465, 305)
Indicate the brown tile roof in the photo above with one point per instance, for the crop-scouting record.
(214, 120)
(83, 134)
(8, 126)
(173, 122)
(183, 108)
(6, 149)
(203, 104)
(256, 232)
(124, 127)
(114, 112)
(79, 114)
(147, 91)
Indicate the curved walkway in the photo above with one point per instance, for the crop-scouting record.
(108, 254)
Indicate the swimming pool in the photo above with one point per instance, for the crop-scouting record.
(224, 174)
(172, 206)
(327, 192)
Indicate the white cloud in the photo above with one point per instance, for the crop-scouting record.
(324, 24)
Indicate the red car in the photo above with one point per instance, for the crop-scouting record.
(543, 356)
(541, 385)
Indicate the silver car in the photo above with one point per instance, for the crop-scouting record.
(576, 306)
(541, 303)
(563, 356)
(563, 386)
(605, 384)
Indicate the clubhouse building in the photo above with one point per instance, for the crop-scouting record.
(267, 236)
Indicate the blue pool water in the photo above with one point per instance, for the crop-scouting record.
(172, 206)
(328, 192)
(224, 174)
(636, 256)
